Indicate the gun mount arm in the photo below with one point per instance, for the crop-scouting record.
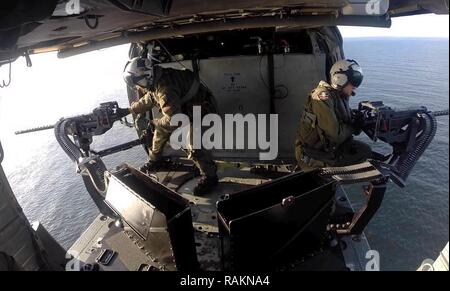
(354, 223)
(409, 132)
(74, 135)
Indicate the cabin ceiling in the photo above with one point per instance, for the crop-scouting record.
(76, 26)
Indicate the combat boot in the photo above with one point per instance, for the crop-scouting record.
(151, 166)
(205, 184)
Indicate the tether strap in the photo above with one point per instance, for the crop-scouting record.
(192, 91)
(195, 67)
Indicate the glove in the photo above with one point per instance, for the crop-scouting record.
(122, 112)
(357, 121)
(141, 122)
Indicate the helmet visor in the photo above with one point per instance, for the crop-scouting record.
(356, 78)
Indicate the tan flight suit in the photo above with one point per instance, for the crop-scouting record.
(325, 134)
(176, 91)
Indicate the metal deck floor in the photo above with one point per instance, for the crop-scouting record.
(346, 253)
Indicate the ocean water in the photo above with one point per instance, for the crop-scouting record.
(412, 224)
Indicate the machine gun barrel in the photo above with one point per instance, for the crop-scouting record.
(34, 129)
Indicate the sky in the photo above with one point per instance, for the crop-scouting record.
(427, 25)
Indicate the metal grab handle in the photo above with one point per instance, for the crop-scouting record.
(6, 84)
(88, 23)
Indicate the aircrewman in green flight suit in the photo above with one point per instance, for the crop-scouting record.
(327, 124)
(171, 91)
